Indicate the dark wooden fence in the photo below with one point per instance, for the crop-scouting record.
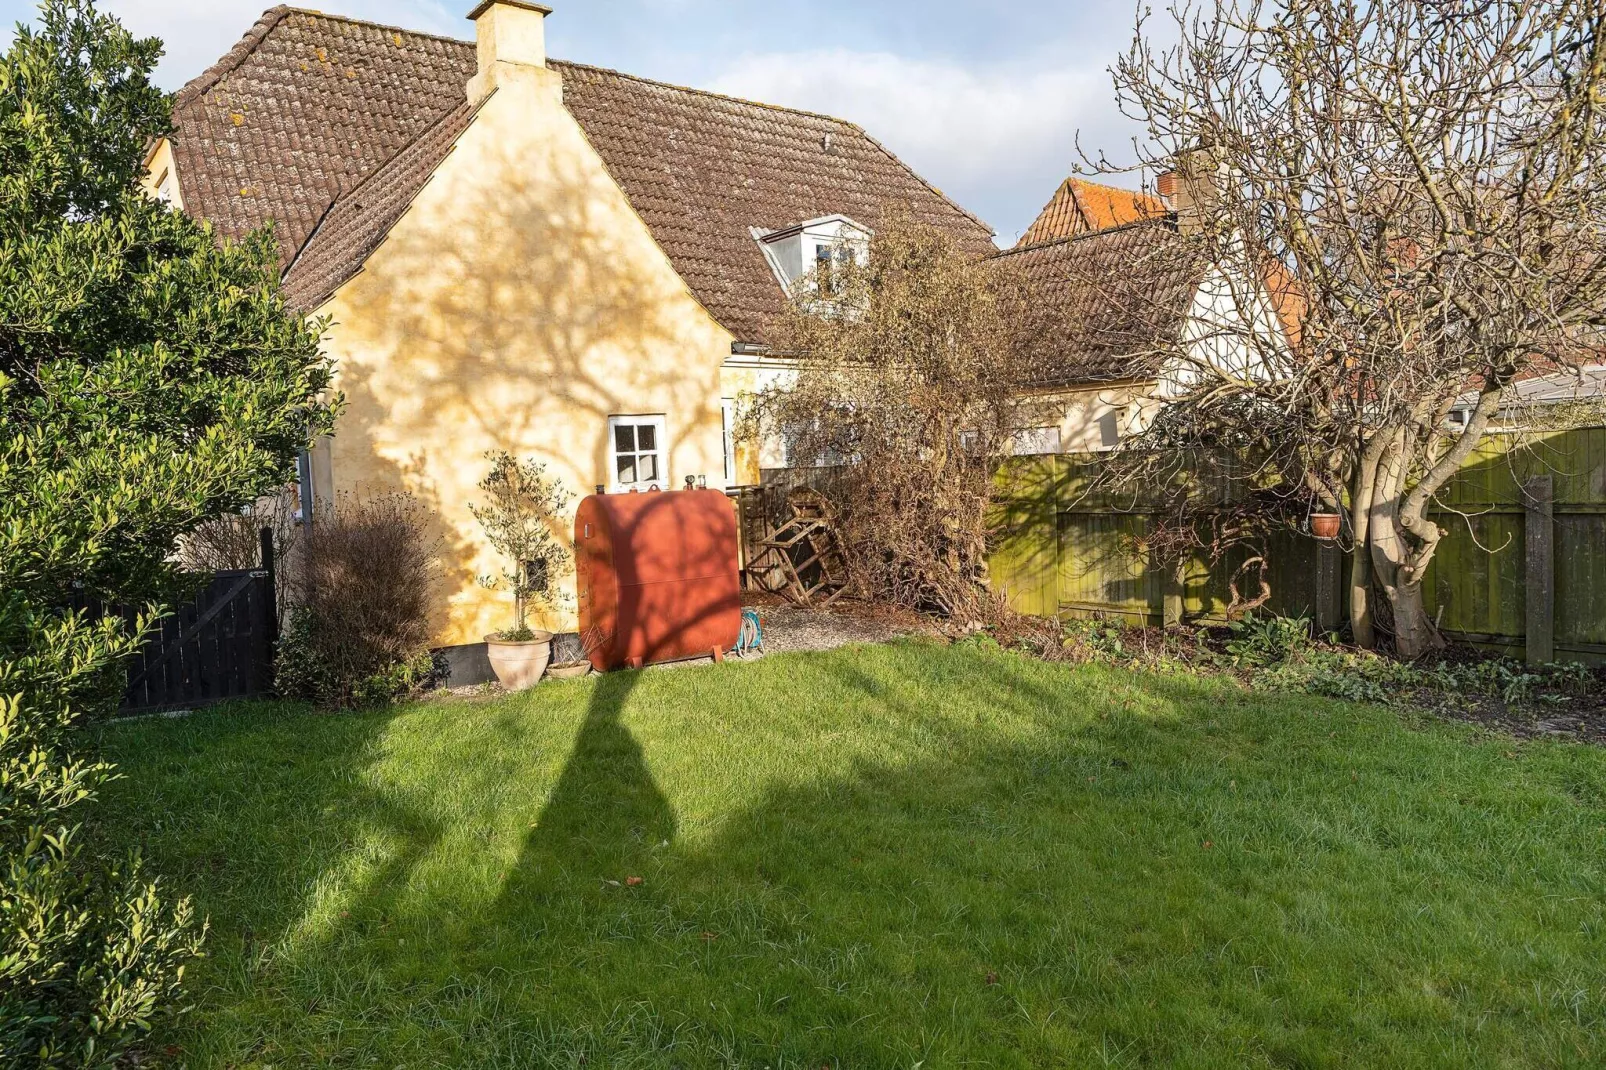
(216, 646)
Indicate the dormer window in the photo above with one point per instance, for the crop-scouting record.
(795, 252)
(829, 261)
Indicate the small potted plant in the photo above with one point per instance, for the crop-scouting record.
(523, 506)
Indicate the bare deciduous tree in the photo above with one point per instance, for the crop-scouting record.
(911, 370)
(1421, 186)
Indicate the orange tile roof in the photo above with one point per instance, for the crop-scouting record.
(1082, 207)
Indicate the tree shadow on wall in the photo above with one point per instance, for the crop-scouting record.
(525, 311)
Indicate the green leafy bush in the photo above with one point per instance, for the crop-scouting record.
(1096, 636)
(304, 672)
(150, 378)
(1262, 641)
(1283, 654)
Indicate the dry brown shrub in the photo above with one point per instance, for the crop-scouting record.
(913, 369)
(362, 591)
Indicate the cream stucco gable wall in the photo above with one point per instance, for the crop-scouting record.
(517, 304)
(160, 179)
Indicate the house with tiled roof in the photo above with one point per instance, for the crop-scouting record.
(1128, 292)
(515, 252)
(1081, 207)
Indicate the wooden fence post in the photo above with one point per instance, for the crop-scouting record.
(1171, 598)
(270, 566)
(1540, 536)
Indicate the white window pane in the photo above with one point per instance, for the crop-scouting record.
(624, 438)
(647, 464)
(1033, 440)
(646, 438)
(627, 468)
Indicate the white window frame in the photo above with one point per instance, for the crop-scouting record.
(660, 451)
(165, 188)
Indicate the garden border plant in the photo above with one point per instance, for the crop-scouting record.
(359, 630)
(522, 509)
(1288, 654)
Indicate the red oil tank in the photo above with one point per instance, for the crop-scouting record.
(657, 576)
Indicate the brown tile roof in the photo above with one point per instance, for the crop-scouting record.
(1080, 207)
(355, 224)
(301, 110)
(309, 107)
(1104, 298)
(702, 168)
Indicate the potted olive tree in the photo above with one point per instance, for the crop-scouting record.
(522, 508)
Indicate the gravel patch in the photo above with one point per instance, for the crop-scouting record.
(790, 628)
(787, 629)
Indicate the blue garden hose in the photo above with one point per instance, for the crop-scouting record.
(751, 638)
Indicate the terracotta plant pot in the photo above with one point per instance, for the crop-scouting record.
(1325, 525)
(519, 665)
(569, 670)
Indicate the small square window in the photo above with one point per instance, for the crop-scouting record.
(637, 460)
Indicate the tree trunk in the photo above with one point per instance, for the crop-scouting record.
(1390, 558)
(1414, 632)
(1360, 577)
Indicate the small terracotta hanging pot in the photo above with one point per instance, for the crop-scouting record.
(1325, 525)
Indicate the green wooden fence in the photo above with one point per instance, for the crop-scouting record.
(1511, 555)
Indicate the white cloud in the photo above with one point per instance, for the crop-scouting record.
(989, 136)
(197, 32)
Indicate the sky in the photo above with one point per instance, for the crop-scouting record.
(985, 99)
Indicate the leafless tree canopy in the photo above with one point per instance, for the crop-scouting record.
(911, 368)
(1414, 192)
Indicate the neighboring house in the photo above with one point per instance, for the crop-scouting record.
(1568, 397)
(1126, 290)
(1082, 207)
(519, 253)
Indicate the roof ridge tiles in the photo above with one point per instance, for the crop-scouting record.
(374, 24)
(383, 170)
(272, 16)
(238, 54)
(1067, 239)
(699, 167)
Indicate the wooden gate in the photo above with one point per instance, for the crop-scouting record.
(218, 645)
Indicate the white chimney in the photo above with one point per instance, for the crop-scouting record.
(510, 36)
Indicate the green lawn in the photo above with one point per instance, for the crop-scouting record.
(898, 856)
